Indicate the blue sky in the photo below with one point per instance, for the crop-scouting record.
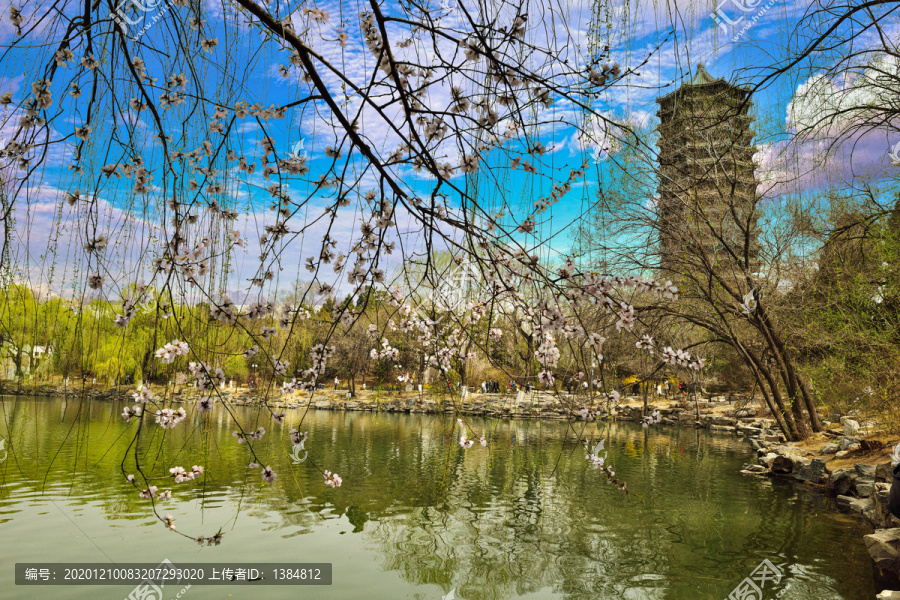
(657, 46)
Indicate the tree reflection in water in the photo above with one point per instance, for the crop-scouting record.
(526, 516)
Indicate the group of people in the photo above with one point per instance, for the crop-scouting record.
(490, 387)
(665, 388)
(493, 387)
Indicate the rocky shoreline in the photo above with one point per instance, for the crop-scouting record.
(536, 405)
(860, 489)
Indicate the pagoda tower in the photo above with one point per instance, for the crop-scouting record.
(707, 187)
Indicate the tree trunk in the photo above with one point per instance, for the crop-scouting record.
(773, 408)
(810, 405)
(792, 432)
(644, 411)
(793, 382)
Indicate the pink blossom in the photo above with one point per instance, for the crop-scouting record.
(169, 418)
(297, 438)
(205, 404)
(131, 411)
(144, 395)
(332, 479)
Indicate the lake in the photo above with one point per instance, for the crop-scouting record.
(417, 516)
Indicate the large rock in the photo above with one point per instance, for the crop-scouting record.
(745, 412)
(865, 488)
(851, 427)
(866, 471)
(884, 472)
(722, 428)
(830, 448)
(842, 481)
(799, 463)
(857, 505)
(781, 464)
(785, 449)
(884, 547)
(766, 460)
(849, 444)
(881, 496)
(815, 472)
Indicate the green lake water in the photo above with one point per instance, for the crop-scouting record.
(417, 516)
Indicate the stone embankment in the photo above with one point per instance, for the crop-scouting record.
(715, 414)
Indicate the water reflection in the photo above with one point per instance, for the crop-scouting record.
(525, 517)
